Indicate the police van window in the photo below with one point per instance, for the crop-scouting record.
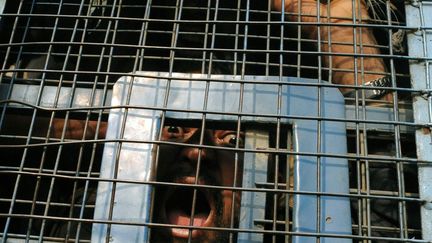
(65, 63)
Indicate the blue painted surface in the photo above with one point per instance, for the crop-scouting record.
(259, 100)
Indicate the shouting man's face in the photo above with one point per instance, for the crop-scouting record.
(186, 164)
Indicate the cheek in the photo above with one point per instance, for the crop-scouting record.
(167, 156)
(227, 197)
(227, 163)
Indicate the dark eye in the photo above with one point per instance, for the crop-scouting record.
(173, 132)
(231, 139)
(173, 129)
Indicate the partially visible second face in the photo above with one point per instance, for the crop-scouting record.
(217, 167)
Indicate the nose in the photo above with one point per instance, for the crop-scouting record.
(194, 154)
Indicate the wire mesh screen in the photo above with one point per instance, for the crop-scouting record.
(361, 67)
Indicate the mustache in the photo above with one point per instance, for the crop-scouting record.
(184, 169)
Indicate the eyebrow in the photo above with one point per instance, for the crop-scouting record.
(209, 124)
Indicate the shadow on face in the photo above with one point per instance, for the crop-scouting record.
(202, 178)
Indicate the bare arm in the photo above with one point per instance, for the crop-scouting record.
(341, 37)
(75, 129)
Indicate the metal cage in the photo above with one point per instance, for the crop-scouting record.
(215, 121)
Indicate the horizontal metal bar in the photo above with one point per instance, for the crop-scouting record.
(385, 114)
(380, 119)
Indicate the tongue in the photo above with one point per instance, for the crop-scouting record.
(178, 217)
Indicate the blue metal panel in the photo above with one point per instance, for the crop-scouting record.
(260, 104)
(420, 46)
(126, 161)
(334, 214)
(255, 171)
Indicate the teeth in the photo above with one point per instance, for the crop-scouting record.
(178, 218)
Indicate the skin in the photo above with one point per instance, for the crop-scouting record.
(219, 164)
(339, 12)
(336, 12)
(179, 164)
(74, 129)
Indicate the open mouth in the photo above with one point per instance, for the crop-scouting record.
(178, 210)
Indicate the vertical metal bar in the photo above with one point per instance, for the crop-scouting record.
(289, 173)
(254, 171)
(245, 40)
(157, 154)
(109, 229)
(199, 160)
(206, 34)
(50, 191)
(335, 213)
(135, 66)
(203, 123)
(236, 166)
(96, 135)
(236, 39)
(243, 67)
(289, 178)
(144, 33)
(268, 30)
(399, 166)
(278, 123)
(8, 51)
(21, 167)
(361, 134)
(57, 96)
(138, 65)
(362, 139)
(319, 174)
(140, 54)
(162, 124)
(176, 27)
(92, 99)
(299, 38)
(45, 148)
(364, 185)
(420, 46)
(329, 41)
(113, 203)
(238, 128)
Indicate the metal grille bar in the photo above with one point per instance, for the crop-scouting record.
(419, 44)
(59, 62)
